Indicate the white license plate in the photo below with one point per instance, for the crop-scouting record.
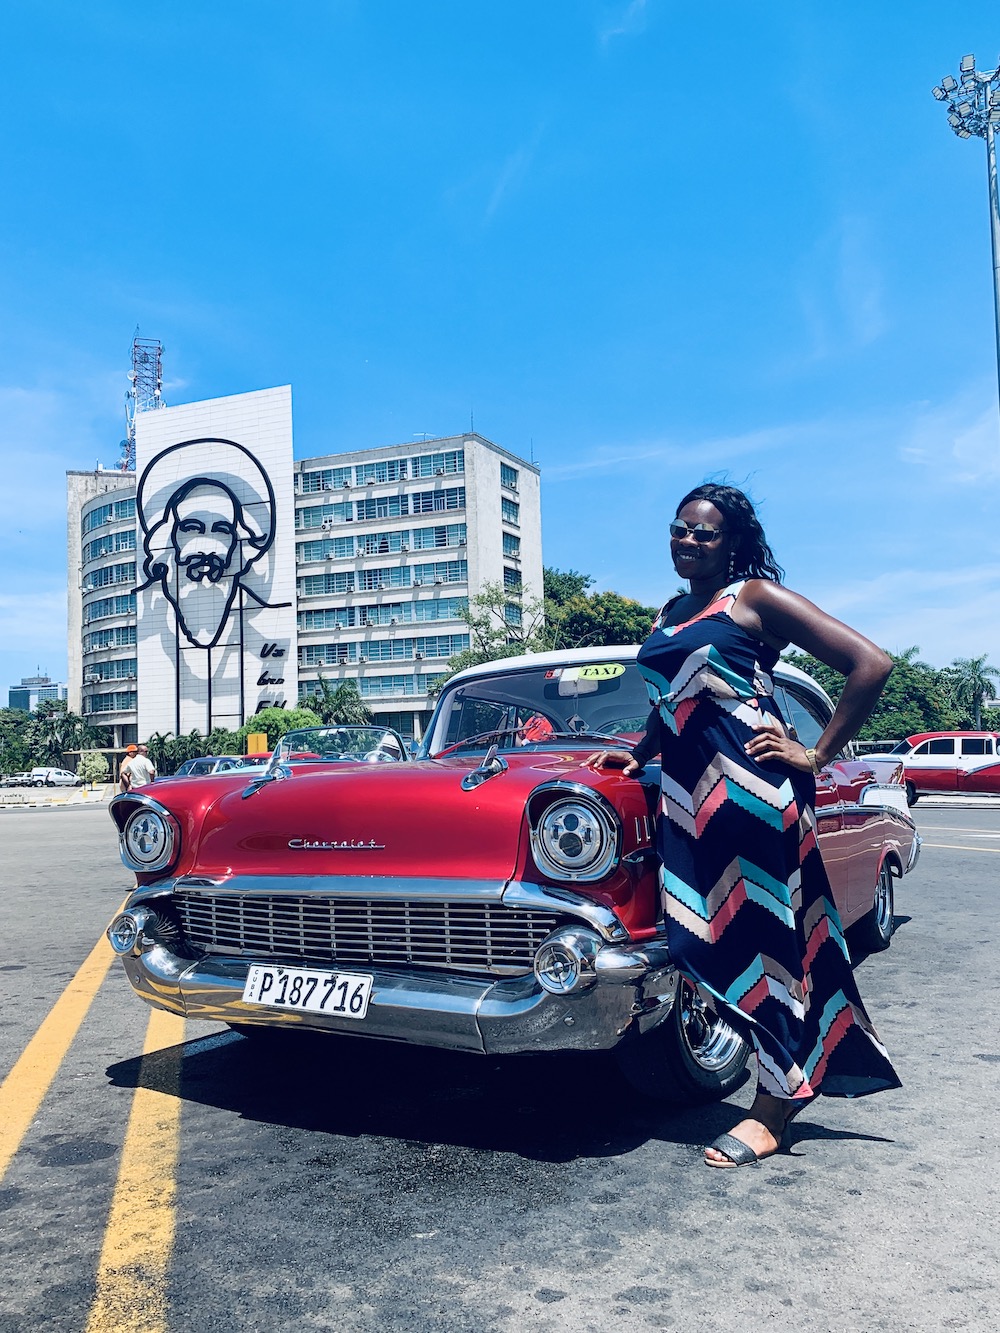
(343, 994)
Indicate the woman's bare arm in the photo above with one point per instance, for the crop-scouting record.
(780, 617)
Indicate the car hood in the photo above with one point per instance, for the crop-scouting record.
(400, 820)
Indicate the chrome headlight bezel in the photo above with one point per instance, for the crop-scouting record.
(148, 820)
(593, 819)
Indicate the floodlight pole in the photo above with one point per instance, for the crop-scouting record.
(973, 102)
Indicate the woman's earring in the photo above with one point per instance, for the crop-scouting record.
(732, 564)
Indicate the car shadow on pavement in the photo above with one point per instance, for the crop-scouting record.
(554, 1108)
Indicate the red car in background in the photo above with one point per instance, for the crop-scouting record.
(947, 761)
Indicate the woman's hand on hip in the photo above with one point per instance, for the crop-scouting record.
(622, 759)
(769, 743)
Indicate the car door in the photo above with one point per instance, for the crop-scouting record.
(932, 765)
(978, 764)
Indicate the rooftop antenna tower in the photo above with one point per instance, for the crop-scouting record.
(145, 392)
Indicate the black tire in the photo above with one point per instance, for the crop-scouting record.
(692, 1056)
(38, 782)
(912, 795)
(874, 932)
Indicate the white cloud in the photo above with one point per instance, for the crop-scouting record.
(630, 20)
(512, 173)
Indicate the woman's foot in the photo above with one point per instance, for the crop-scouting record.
(761, 1132)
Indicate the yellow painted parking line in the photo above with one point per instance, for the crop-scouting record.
(24, 1088)
(957, 847)
(138, 1241)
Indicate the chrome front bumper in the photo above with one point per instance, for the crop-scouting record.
(631, 986)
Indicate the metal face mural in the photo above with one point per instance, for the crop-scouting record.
(215, 598)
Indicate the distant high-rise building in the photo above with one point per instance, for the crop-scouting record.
(31, 690)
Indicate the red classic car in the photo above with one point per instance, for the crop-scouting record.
(955, 761)
(495, 895)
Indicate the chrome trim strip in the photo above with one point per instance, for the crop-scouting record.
(549, 897)
(338, 886)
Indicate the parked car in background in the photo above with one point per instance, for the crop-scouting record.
(17, 780)
(947, 761)
(209, 763)
(494, 895)
(53, 777)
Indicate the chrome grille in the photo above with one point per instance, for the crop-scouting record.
(477, 937)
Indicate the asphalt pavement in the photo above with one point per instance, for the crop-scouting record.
(226, 1184)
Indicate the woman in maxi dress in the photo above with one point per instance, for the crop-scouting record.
(749, 912)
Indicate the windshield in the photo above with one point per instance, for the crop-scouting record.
(325, 745)
(540, 704)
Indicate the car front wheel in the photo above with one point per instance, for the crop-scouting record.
(692, 1056)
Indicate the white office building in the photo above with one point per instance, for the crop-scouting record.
(222, 577)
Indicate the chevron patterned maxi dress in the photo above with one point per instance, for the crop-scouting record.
(750, 915)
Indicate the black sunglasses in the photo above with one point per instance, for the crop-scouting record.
(701, 532)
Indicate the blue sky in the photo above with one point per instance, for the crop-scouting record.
(650, 241)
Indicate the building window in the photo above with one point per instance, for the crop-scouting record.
(121, 701)
(384, 506)
(383, 543)
(511, 580)
(440, 608)
(122, 668)
(331, 548)
(512, 613)
(101, 578)
(109, 606)
(327, 654)
(389, 576)
(109, 544)
(391, 469)
(439, 465)
(508, 476)
(322, 516)
(373, 687)
(124, 509)
(330, 617)
(120, 636)
(510, 511)
(320, 585)
(447, 534)
(442, 571)
(430, 502)
(511, 544)
(327, 479)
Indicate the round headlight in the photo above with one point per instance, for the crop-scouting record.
(575, 840)
(148, 840)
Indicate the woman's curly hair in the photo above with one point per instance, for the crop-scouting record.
(752, 557)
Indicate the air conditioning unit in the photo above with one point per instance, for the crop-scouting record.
(327, 524)
(380, 587)
(347, 485)
(439, 580)
(419, 656)
(403, 546)
(439, 472)
(393, 621)
(418, 583)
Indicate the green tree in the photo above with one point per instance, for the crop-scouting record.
(971, 681)
(340, 705)
(54, 732)
(499, 626)
(276, 721)
(220, 740)
(93, 766)
(601, 620)
(559, 585)
(15, 743)
(916, 696)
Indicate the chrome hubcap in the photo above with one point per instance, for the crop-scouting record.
(883, 901)
(711, 1042)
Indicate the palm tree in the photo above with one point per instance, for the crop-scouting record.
(341, 705)
(971, 683)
